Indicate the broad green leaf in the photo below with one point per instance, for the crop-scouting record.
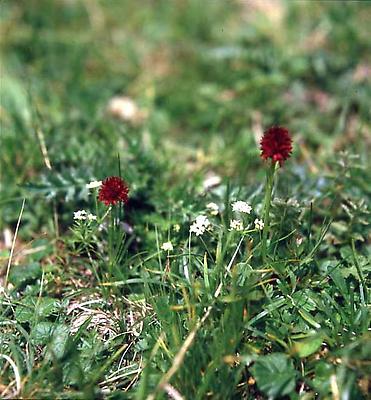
(274, 374)
(322, 375)
(308, 346)
(23, 274)
(339, 281)
(41, 333)
(32, 307)
(59, 340)
(52, 334)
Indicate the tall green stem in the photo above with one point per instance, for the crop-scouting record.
(111, 236)
(267, 206)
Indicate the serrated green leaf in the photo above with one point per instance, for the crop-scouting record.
(55, 335)
(41, 332)
(275, 375)
(32, 307)
(69, 183)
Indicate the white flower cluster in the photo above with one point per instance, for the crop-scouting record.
(200, 225)
(293, 203)
(259, 224)
(167, 246)
(94, 184)
(241, 206)
(235, 225)
(212, 208)
(83, 215)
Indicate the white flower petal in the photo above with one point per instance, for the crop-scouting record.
(167, 246)
(79, 215)
(259, 224)
(235, 225)
(213, 208)
(93, 184)
(241, 206)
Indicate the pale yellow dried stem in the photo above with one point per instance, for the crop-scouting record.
(16, 375)
(13, 244)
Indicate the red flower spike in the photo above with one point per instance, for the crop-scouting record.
(276, 144)
(113, 190)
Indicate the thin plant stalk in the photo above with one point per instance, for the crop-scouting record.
(267, 205)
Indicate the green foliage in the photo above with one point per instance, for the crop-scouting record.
(275, 375)
(21, 275)
(38, 308)
(308, 346)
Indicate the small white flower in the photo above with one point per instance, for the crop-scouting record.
(176, 228)
(200, 225)
(293, 202)
(79, 215)
(202, 220)
(92, 217)
(241, 206)
(213, 208)
(235, 225)
(197, 230)
(259, 224)
(167, 246)
(93, 184)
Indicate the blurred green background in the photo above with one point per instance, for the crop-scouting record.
(205, 77)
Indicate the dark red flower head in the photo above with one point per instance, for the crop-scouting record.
(276, 144)
(113, 190)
